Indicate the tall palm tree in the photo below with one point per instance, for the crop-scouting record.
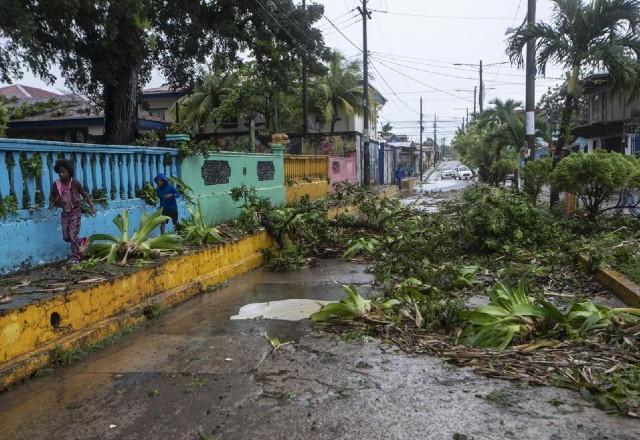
(340, 90)
(197, 108)
(598, 34)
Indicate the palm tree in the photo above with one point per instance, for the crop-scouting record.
(340, 90)
(197, 108)
(599, 34)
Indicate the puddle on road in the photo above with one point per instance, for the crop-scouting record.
(286, 310)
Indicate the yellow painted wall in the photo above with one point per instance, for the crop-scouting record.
(316, 189)
(24, 330)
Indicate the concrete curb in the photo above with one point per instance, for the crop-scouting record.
(617, 283)
(88, 315)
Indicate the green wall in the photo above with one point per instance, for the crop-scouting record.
(213, 177)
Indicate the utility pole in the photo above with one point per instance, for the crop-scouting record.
(421, 129)
(530, 104)
(305, 105)
(435, 136)
(475, 98)
(481, 92)
(366, 15)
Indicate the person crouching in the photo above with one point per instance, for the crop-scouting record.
(167, 194)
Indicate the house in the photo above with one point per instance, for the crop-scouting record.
(18, 91)
(49, 116)
(613, 117)
(160, 102)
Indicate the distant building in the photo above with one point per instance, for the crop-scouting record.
(18, 91)
(613, 118)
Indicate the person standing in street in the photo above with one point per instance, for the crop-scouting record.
(399, 176)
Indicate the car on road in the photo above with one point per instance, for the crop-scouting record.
(463, 172)
(447, 172)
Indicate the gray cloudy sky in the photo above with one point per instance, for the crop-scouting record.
(414, 46)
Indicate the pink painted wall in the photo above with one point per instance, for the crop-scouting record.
(343, 169)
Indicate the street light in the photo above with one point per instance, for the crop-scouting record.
(481, 94)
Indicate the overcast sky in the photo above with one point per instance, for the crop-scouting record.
(414, 45)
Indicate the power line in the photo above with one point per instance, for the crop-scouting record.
(450, 17)
(391, 89)
(420, 82)
(342, 33)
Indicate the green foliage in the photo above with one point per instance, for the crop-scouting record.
(27, 110)
(31, 167)
(148, 194)
(8, 205)
(118, 249)
(617, 391)
(488, 220)
(288, 258)
(362, 245)
(339, 91)
(147, 138)
(85, 265)
(252, 209)
(596, 177)
(512, 314)
(195, 229)
(4, 119)
(353, 306)
(536, 175)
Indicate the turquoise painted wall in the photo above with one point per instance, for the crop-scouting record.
(213, 177)
(32, 236)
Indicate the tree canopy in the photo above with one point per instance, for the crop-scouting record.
(108, 48)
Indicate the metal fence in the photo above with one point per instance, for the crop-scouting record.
(297, 167)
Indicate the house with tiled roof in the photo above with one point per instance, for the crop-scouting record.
(19, 91)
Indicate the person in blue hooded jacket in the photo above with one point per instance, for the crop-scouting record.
(167, 193)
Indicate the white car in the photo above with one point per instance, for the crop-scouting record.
(463, 172)
(447, 172)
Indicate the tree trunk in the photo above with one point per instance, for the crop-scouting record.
(121, 108)
(563, 139)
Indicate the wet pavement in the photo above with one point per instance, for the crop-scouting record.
(194, 371)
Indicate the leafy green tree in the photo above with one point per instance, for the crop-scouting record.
(536, 175)
(198, 108)
(339, 91)
(598, 34)
(386, 128)
(596, 177)
(108, 48)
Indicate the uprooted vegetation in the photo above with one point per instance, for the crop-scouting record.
(538, 319)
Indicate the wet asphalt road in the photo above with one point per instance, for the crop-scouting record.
(193, 371)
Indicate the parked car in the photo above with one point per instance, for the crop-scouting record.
(447, 172)
(463, 172)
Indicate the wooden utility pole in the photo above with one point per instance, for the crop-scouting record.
(481, 91)
(366, 15)
(530, 104)
(421, 130)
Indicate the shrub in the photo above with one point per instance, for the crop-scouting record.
(536, 175)
(500, 169)
(4, 119)
(596, 177)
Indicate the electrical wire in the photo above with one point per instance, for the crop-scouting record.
(450, 17)
(341, 33)
(420, 82)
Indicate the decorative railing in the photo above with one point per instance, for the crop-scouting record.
(108, 172)
(297, 167)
